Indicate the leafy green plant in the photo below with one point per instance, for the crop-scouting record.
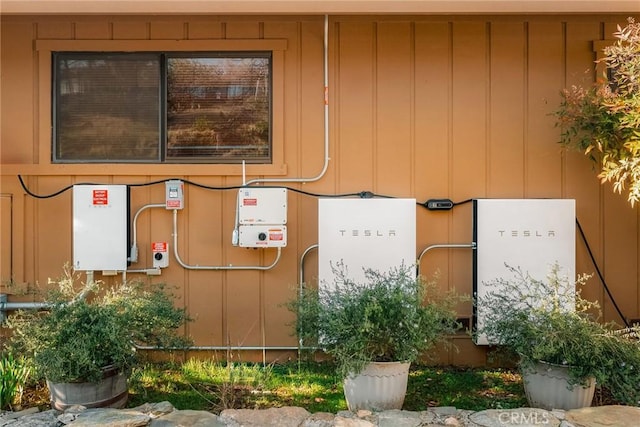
(14, 373)
(390, 316)
(84, 330)
(548, 320)
(603, 120)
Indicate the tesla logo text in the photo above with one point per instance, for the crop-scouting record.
(367, 233)
(526, 233)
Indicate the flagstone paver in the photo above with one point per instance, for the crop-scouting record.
(163, 414)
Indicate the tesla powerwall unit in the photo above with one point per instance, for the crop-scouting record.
(530, 234)
(365, 233)
(100, 227)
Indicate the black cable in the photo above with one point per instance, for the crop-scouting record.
(462, 202)
(361, 194)
(604, 283)
(47, 196)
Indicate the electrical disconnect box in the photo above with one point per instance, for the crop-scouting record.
(174, 194)
(160, 251)
(262, 217)
(100, 227)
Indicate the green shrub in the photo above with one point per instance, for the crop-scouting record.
(83, 331)
(390, 316)
(548, 320)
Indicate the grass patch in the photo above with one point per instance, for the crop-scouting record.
(210, 385)
(214, 386)
(465, 388)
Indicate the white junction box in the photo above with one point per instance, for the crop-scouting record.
(530, 234)
(259, 236)
(258, 205)
(100, 227)
(365, 233)
(262, 217)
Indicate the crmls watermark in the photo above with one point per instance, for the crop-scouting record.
(516, 418)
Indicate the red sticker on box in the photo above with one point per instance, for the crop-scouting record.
(276, 236)
(249, 202)
(159, 247)
(100, 197)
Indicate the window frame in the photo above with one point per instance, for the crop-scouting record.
(45, 49)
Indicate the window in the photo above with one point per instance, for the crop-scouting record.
(162, 107)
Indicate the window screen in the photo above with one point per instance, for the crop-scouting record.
(162, 107)
(107, 107)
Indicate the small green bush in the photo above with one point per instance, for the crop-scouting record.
(548, 320)
(83, 331)
(390, 316)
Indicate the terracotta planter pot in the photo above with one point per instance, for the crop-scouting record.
(380, 386)
(546, 386)
(110, 392)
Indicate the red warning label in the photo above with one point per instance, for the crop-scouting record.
(250, 202)
(100, 197)
(159, 247)
(173, 203)
(276, 236)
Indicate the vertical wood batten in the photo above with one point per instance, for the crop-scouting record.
(431, 161)
(505, 176)
(354, 146)
(19, 68)
(544, 175)
(393, 109)
(580, 182)
(468, 139)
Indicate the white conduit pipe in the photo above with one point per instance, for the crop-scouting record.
(133, 255)
(247, 348)
(302, 257)
(471, 245)
(326, 119)
(215, 267)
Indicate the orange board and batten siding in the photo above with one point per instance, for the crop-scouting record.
(427, 107)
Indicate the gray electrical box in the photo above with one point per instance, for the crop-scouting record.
(99, 227)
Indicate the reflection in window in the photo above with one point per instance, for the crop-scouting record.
(155, 107)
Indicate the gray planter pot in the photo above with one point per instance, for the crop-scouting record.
(380, 386)
(110, 392)
(547, 386)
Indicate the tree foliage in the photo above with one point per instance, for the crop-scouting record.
(603, 120)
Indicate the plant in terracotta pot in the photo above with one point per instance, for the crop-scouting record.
(83, 342)
(602, 120)
(561, 347)
(390, 318)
